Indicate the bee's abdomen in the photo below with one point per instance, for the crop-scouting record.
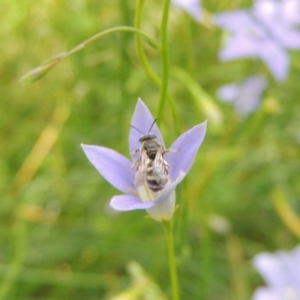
(154, 186)
(156, 179)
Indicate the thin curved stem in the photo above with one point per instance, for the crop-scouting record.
(40, 71)
(165, 59)
(172, 264)
(147, 68)
(95, 37)
(139, 45)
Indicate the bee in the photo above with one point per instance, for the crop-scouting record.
(151, 166)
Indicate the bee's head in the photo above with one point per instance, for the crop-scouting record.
(147, 137)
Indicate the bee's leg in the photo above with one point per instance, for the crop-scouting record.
(136, 163)
(169, 150)
(136, 151)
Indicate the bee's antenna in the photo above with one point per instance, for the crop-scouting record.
(136, 129)
(141, 131)
(152, 125)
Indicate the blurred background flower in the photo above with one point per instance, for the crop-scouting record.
(192, 7)
(246, 96)
(265, 32)
(281, 273)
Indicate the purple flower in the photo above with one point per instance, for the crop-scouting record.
(266, 32)
(192, 7)
(245, 96)
(286, 11)
(119, 171)
(281, 272)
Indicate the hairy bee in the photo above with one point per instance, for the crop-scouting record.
(151, 166)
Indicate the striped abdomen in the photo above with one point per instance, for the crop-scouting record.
(157, 175)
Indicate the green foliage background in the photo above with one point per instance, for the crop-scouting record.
(59, 238)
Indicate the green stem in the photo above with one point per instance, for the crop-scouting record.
(172, 265)
(16, 265)
(165, 59)
(147, 68)
(139, 45)
(40, 71)
(95, 37)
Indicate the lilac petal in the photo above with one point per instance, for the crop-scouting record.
(277, 293)
(169, 189)
(228, 92)
(250, 94)
(291, 39)
(236, 21)
(281, 273)
(285, 12)
(239, 46)
(265, 11)
(193, 7)
(295, 261)
(184, 150)
(142, 119)
(127, 202)
(276, 59)
(266, 294)
(288, 37)
(290, 12)
(275, 17)
(245, 96)
(272, 268)
(113, 166)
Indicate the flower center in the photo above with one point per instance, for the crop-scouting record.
(145, 193)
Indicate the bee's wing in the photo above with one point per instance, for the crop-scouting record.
(141, 169)
(161, 167)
